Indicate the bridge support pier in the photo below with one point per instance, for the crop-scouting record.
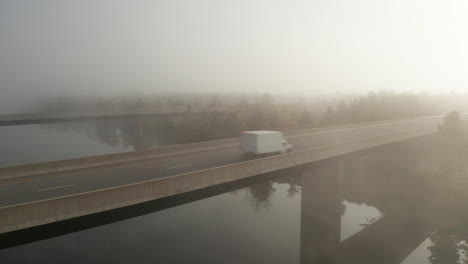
(321, 209)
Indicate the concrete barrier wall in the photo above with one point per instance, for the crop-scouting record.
(48, 211)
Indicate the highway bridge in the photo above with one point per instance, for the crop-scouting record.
(37, 194)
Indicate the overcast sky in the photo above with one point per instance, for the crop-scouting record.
(109, 46)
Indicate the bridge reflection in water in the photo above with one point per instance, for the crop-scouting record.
(390, 239)
(388, 180)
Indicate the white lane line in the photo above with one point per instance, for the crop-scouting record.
(53, 188)
(181, 166)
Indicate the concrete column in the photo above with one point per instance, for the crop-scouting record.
(321, 213)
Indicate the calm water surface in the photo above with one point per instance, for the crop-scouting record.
(46, 142)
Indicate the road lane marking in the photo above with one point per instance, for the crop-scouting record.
(152, 161)
(53, 188)
(180, 166)
(107, 167)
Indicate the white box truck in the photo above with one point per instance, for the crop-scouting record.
(263, 142)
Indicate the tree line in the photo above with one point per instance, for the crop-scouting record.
(255, 112)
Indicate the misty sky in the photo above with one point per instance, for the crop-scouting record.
(112, 46)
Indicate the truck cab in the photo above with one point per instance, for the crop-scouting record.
(287, 147)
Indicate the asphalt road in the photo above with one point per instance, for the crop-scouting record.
(46, 186)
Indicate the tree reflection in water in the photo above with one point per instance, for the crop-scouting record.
(447, 247)
(129, 133)
(259, 195)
